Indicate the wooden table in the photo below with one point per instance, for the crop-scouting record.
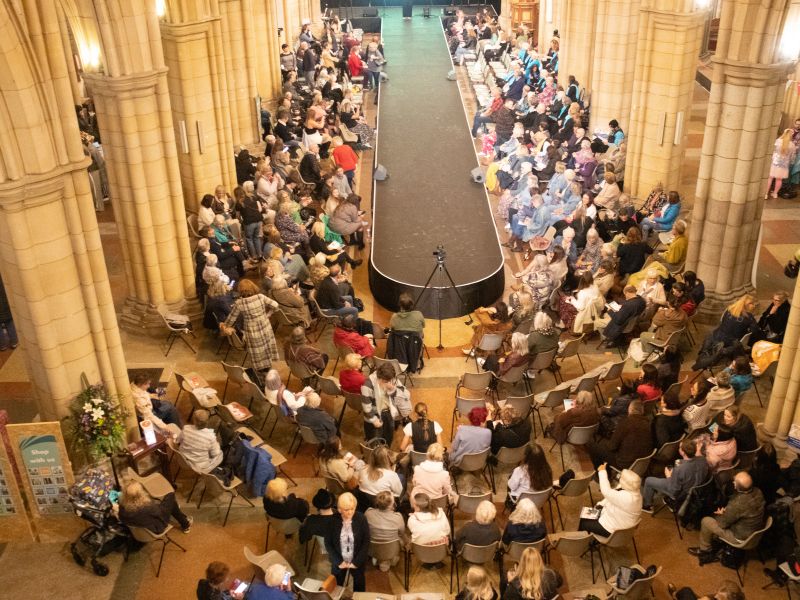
(146, 458)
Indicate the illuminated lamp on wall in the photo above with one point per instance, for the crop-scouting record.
(90, 57)
(161, 8)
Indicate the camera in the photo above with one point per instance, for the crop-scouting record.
(440, 254)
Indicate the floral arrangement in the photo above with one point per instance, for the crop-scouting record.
(98, 422)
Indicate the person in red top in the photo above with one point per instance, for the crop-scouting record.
(354, 63)
(346, 158)
(351, 378)
(647, 384)
(346, 334)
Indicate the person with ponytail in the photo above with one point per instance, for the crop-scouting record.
(421, 432)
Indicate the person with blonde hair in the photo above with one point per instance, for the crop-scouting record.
(737, 320)
(478, 586)
(782, 158)
(510, 430)
(219, 303)
(431, 478)
(525, 524)
(428, 523)
(351, 378)
(531, 579)
(137, 508)
(378, 476)
(481, 531)
(280, 504)
(347, 543)
(621, 507)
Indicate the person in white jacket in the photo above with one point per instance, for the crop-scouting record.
(198, 444)
(428, 524)
(378, 475)
(430, 476)
(621, 507)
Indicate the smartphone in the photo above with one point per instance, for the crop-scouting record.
(239, 587)
(286, 577)
(713, 427)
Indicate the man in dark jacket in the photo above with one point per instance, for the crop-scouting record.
(308, 62)
(511, 432)
(330, 298)
(504, 120)
(632, 439)
(633, 306)
(309, 165)
(743, 515)
(678, 480)
(317, 420)
(230, 258)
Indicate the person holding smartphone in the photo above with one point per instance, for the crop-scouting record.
(277, 585)
(217, 584)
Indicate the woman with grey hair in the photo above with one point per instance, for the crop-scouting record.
(621, 508)
(543, 336)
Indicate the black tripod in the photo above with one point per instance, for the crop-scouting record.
(441, 268)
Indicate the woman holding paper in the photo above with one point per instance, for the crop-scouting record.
(582, 413)
(621, 507)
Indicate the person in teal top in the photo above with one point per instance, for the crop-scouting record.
(664, 220)
(615, 135)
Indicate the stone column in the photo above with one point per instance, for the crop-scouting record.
(134, 113)
(268, 71)
(242, 44)
(747, 88)
(194, 54)
(791, 100)
(550, 18)
(51, 256)
(577, 42)
(670, 34)
(504, 18)
(784, 409)
(616, 30)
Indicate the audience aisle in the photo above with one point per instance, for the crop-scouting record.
(657, 539)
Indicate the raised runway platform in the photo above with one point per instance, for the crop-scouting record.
(430, 198)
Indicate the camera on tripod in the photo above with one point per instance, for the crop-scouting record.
(440, 254)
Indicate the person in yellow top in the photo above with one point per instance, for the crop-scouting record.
(670, 259)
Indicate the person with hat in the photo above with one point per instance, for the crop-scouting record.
(471, 439)
(318, 524)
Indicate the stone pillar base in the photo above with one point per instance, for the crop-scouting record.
(140, 317)
(782, 449)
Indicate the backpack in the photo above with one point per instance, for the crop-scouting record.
(731, 557)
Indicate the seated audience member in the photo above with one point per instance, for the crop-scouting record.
(767, 475)
(278, 394)
(428, 524)
(482, 531)
(582, 414)
(604, 277)
(470, 439)
(743, 514)
(290, 301)
(422, 432)
(741, 375)
(630, 309)
(494, 319)
(343, 468)
(617, 409)
(346, 220)
(543, 336)
(279, 504)
(199, 445)
(332, 255)
(346, 334)
(698, 408)
(691, 471)
(727, 590)
(431, 478)
(516, 357)
(347, 543)
(669, 367)
(510, 430)
(312, 416)
(137, 508)
(621, 507)
(299, 350)
(351, 378)
(648, 385)
(163, 415)
(668, 424)
(275, 586)
(719, 447)
(330, 298)
(694, 292)
(667, 320)
(722, 395)
(775, 317)
(219, 303)
(478, 586)
(744, 432)
(525, 524)
(663, 220)
(632, 439)
(737, 320)
(385, 400)
(386, 525)
(530, 579)
(608, 197)
(590, 258)
(407, 319)
(586, 299)
(655, 201)
(675, 254)
(378, 476)
(532, 475)
(217, 584)
(652, 290)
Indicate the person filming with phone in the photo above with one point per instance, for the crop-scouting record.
(277, 585)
